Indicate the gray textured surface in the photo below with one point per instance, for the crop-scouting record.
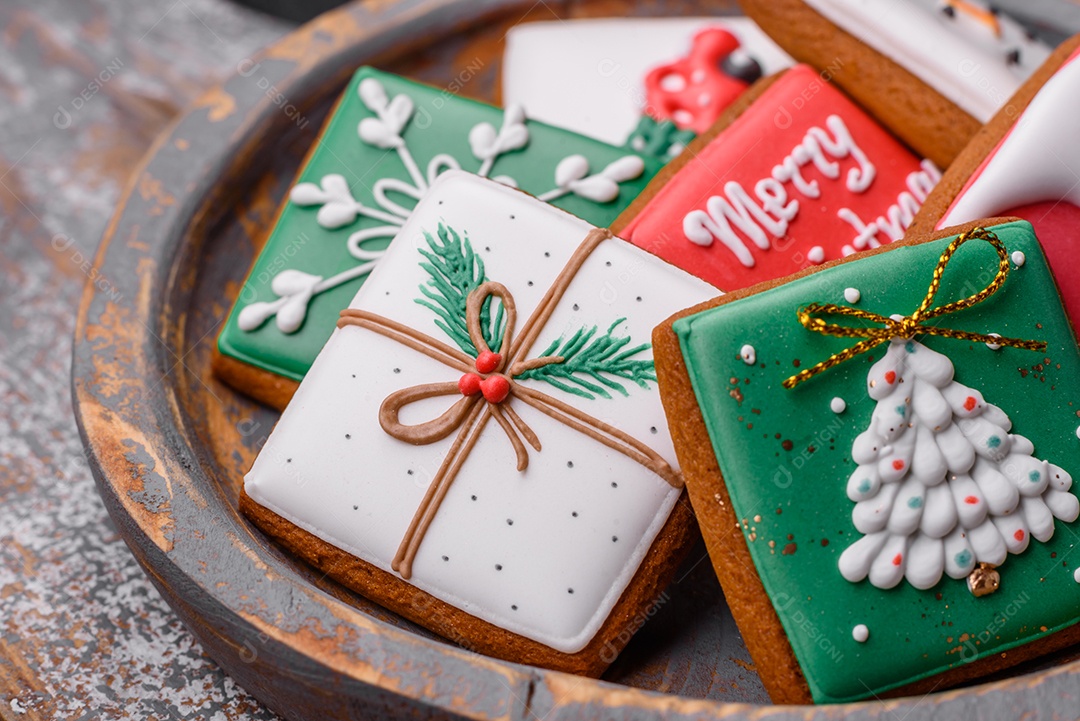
(84, 89)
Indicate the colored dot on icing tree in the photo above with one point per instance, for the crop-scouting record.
(852, 295)
(748, 354)
(1018, 258)
(860, 633)
(838, 405)
(890, 377)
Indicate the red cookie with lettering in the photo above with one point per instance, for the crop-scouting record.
(1025, 162)
(932, 71)
(880, 454)
(481, 446)
(793, 175)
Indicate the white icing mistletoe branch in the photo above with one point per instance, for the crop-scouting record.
(338, 208)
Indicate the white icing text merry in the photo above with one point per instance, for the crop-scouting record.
(773, 209)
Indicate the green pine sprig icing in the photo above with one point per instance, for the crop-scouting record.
(593, 363)
(455, 271)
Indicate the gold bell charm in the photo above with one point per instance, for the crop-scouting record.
(983, 580)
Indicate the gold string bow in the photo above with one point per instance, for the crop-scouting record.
(470, 413)
(908, 326)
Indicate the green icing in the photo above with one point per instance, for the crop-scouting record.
(913, 634)
(661, 139)
(441, 125)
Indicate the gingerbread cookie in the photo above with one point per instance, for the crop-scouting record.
(383, 147)
(1025, 162)
(932, 71)
(794, 174)
(481, 445)
(880, 453)
(651, 82)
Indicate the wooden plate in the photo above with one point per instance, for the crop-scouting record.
(169, 444)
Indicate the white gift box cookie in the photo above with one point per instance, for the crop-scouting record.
(485, 427)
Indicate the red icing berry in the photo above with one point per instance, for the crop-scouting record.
(469, 384)
(495, 388)
(972, 500)
(488, 361)
(1019, 535)
(898, 464)
(897, 559)
(890, 377)
(969, 403)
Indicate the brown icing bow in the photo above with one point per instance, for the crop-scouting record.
(487, 388)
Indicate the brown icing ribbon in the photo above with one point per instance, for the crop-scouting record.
(470, 413)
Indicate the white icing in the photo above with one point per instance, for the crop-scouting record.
(1076, 575)
(772, 211)
(994, 346)
(338, 208)
(593, 83)
(1027, 166)
(748, 354)
(960, 57)
(941, 484)
(860, 633)
(838, 405)
(898, 216)
(310, 473)
(816, 255)
(852, 295)
(1018, 258)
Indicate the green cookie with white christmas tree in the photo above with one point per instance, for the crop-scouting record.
(383, 147)
(880, 453)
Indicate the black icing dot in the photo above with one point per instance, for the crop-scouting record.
(529, 283)
(614, 484)
(512, 217)
(577, 307)
(547, 254)
(569, 590)
(440, 202)
(498, 566)
(446, 558)
(614, 539)
(356, 508)
(387, 292)
(513, 607)
(607, 263)
(573, 513)
(509, 521)
(348, 435)
(1013, 57)
(288, 460)
(487, 248)
(353, 375)
(408, 472)
(639, 299)
(652, 429)
(569, 464)
(397, 370)
(949, 11)
(474, 498)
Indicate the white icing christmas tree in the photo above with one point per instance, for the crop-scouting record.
(942, 486)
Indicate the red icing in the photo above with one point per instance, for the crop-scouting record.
(971, 500)
(745, 153)
(495, 388)
(897, 559)
(1059, 221)
(898, 464)
(469, 384)
(1019, 535)
(705, 89)
(969, 403)
(890, 377)
(488, 361)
